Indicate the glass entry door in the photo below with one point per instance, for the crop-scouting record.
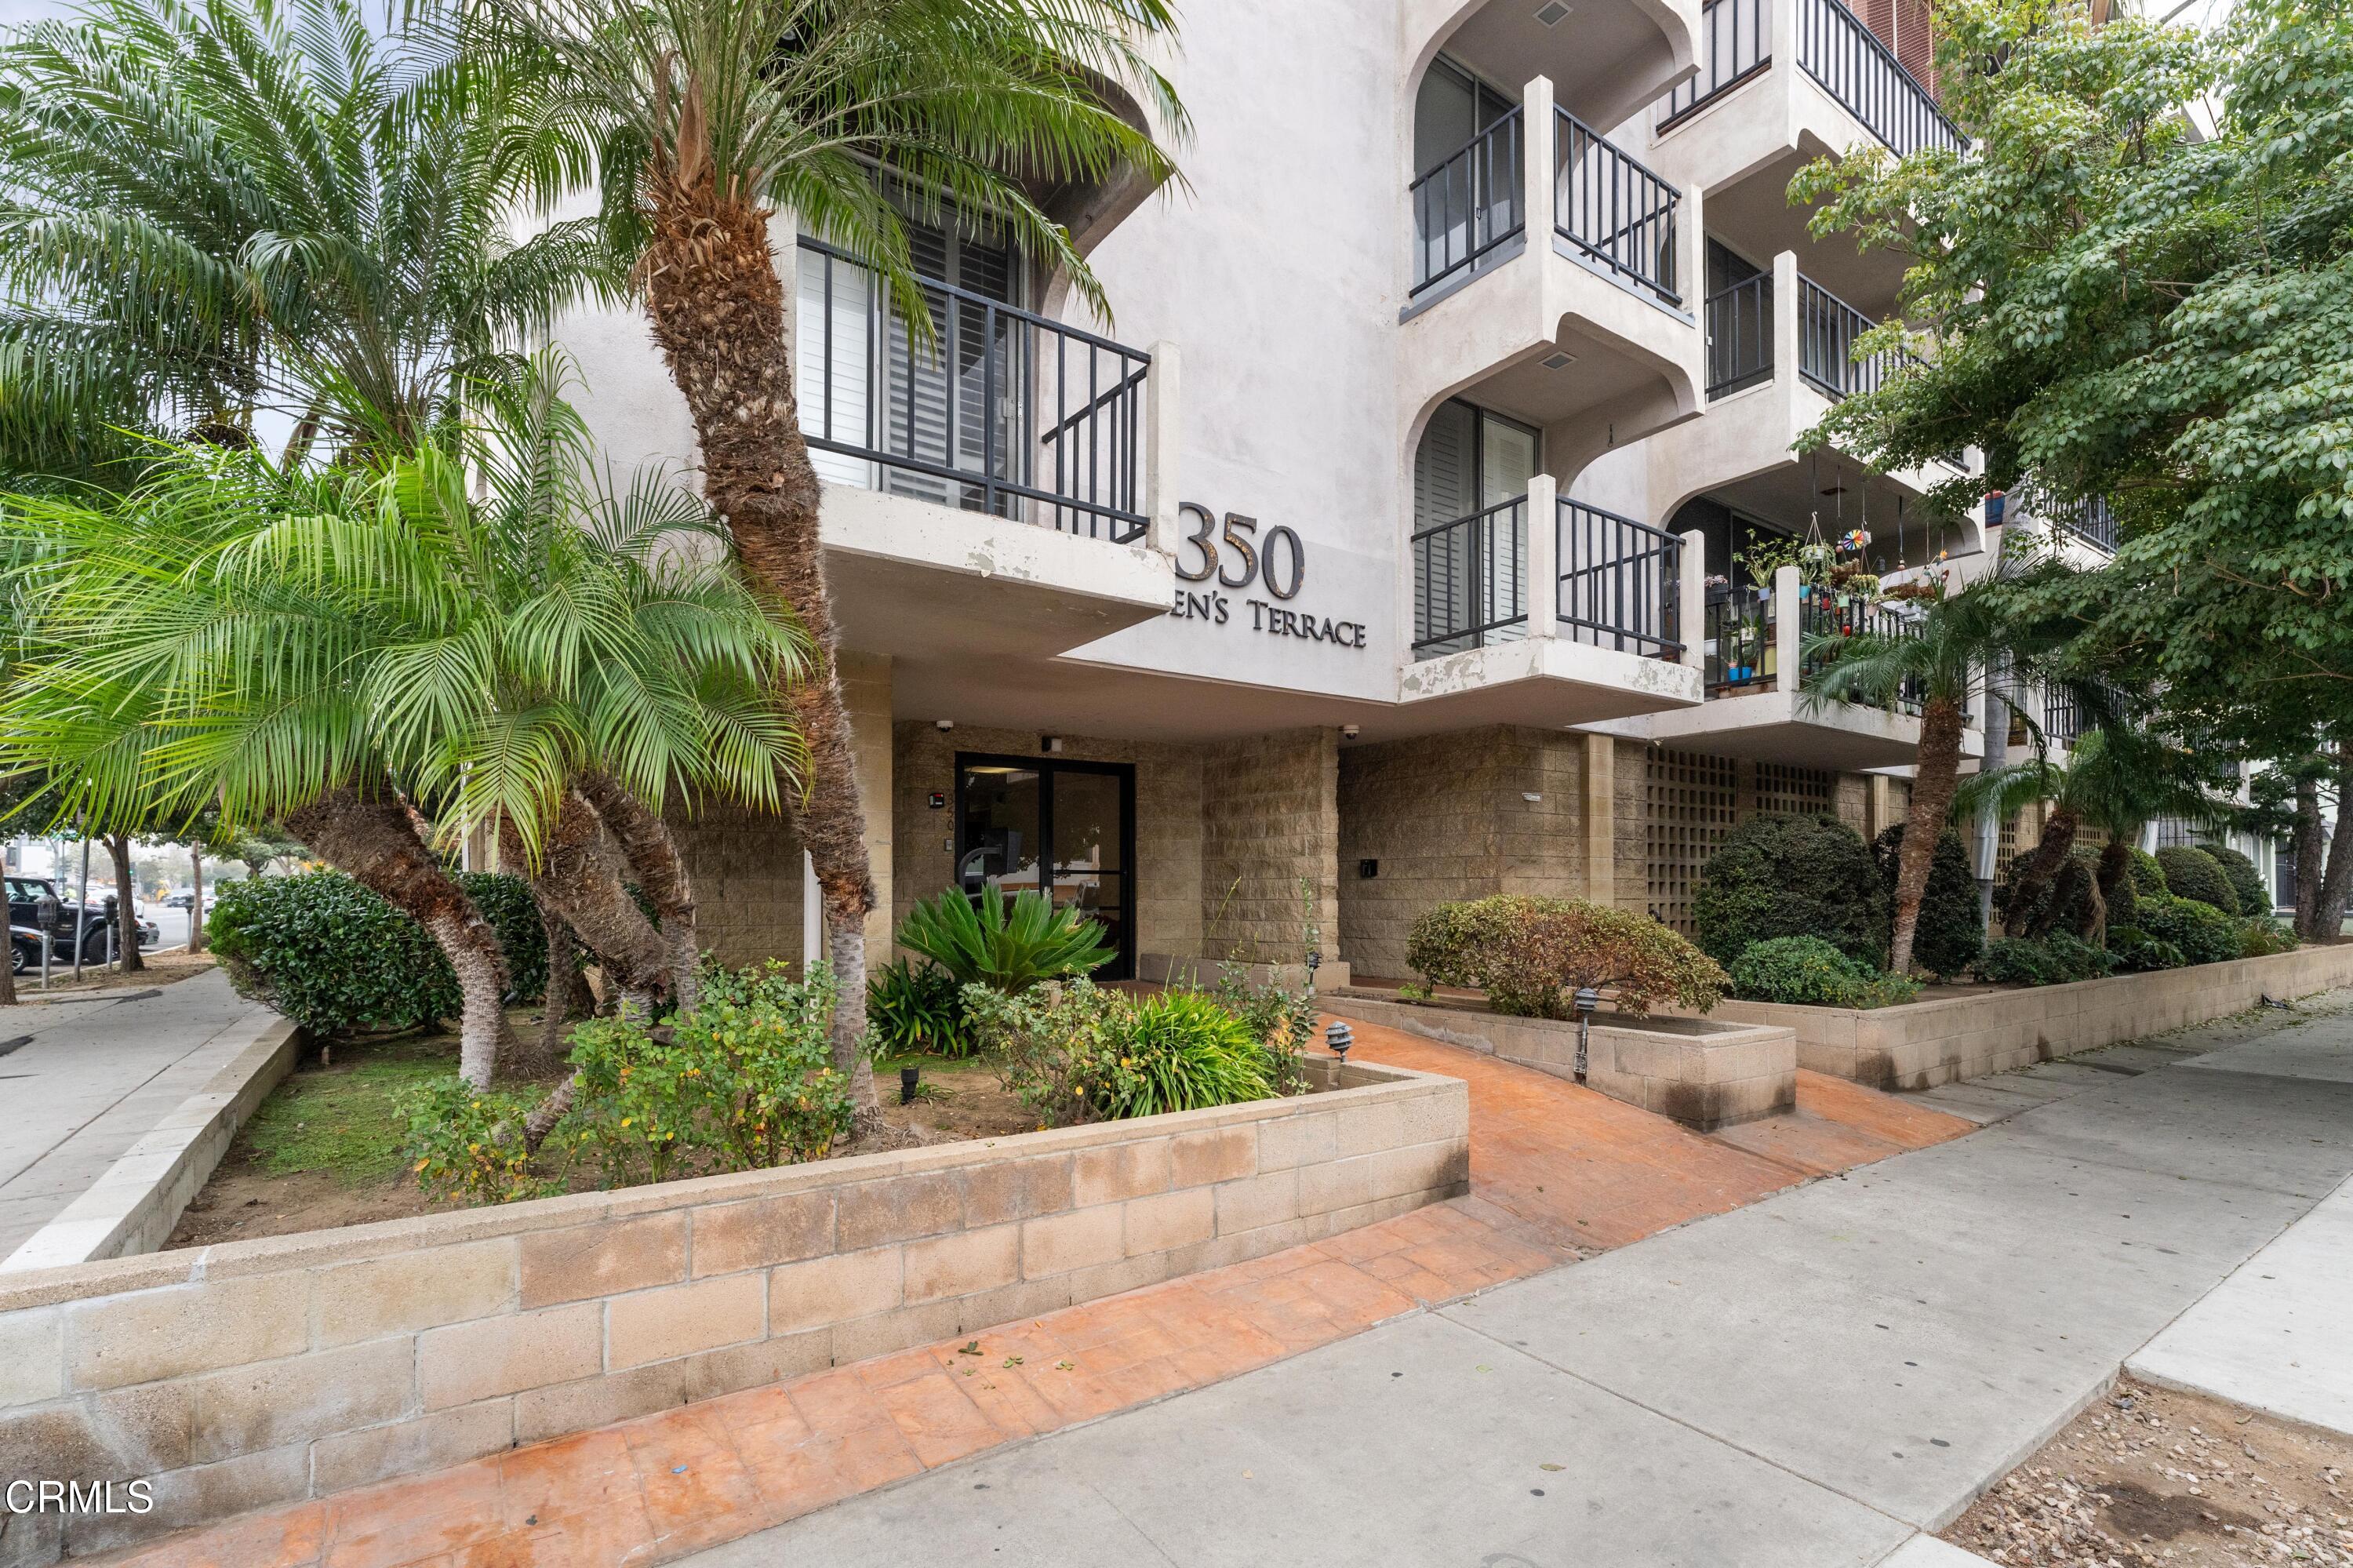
(1065, 828)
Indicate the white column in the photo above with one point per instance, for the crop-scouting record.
(1544, 556)
(1784, 312)
(1160, 497)
(1692, 590)
(1536, 162)
(1789, 629)
(812, 915)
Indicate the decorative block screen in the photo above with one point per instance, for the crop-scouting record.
(1782, 789)
(1689, 807)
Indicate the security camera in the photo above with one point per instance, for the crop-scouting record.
(943, 725)
(1347, 731)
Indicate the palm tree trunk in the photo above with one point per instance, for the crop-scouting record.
(557, 1001)
(717, 307)
(2304, 846)
(126, 903)
(2115, 867)
(196, 906)
(1935, 777)
(648, 844)
(2337, 882)
(581, 879)
(2032, 881)
(371, 838)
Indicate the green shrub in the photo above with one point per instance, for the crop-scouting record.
(1076, 1052)
(1528, 953)
(2191, 873)
(2136, 952)
(1792, 877)
(2147, 876)
(1281, 1018)
(2122, 901)
(2203, 934)
(1809, 971)
(2246, 881)
(2055, 959)
(335, 958)
(915, 1008)
(1951, 932)
(467, 1144)
(2264, 935)
(1009, 949)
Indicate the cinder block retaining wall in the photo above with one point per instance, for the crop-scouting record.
(239, 1376)
(1703, 1072)
(1923, 1044)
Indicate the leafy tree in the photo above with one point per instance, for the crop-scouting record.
(2112, 306)
(710, 116)
(220, 208)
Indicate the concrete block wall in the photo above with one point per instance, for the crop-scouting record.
(241, 1376)
(1923, 1043)
(1270, 821)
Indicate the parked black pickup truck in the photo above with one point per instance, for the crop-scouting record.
(25, 926)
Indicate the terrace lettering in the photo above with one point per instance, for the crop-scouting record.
(1275, 561)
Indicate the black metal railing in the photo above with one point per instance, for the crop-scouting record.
(1740, 335)
(998, 412)
(1868, 81)
(1468, 203)
(1827, 330)
(1470, 580)
(1612, 208)
(1739, 641)
(2088, 517)
(1735, 42)
(1825, 613)
(1620, 582)
(2062, 717)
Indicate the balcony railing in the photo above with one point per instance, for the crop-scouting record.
(1826, 613)
(1740, 335)
(1612, 208)
(1743, 637)
(1827, 330)
(1620, 582)
(1739, 641)
(2062, 717)
(1468, 203)
(1849, 63)
(1470, 580)
(1000, 411)
(1735, 42)
(2088, 517)
(1617, 586)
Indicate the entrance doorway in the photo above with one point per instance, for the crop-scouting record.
(1066, 829)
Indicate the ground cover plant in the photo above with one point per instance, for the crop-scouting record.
(1807, 969)
(1079, 1053)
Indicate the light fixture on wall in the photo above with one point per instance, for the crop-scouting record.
(943, 725)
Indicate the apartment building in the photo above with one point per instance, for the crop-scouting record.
(1380, 548)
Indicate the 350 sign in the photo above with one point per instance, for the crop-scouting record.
(1276, 559)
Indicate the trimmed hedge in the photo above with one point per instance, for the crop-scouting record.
(1950, 933)
(2191, 873)
(1527, 953)
(2246, 881)
(2146, 874)
(335, 958)
(1809, 971)
(1792, 877)
(2055, 959)
(2203, 934)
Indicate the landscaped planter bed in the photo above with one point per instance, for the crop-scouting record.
(1936, 1040)
(1705, 1073)
(255, 1373)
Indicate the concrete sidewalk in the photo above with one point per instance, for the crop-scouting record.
(1809, 1381)
(98, 1076)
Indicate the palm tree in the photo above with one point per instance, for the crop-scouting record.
(1933, 661)
(217, 208)
(349, 652)
(2116, 779)
(711, 117)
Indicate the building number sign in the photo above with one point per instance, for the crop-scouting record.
(1236, 555)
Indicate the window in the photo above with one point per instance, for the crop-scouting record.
(1470, 550)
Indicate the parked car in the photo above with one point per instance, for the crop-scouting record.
(25, 893)
(184, 899)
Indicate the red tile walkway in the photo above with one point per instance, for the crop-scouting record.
(1556, 1170)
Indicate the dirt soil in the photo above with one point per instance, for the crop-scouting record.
(2150, 1476)
(161, 970)
(957, 1100)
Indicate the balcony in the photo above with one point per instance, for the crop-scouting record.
(2084, 529)
(1606, 59)
(1749, 644)
(1772, 371)
(1548, 281)
(1579, 618)
(989, 474)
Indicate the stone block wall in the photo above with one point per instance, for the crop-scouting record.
(255, 1373)
(1270, 821)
